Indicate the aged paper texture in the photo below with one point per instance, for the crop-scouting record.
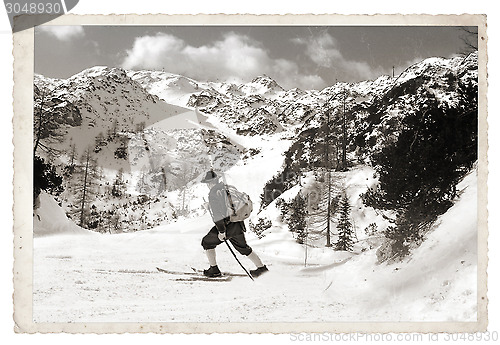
(124, 126)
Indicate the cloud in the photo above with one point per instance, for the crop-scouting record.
(234, 58)
(63, 33)
(399, 68)
(323, 50)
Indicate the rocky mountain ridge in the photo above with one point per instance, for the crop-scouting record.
(124, 111)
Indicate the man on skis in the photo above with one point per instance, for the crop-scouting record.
(224, 229)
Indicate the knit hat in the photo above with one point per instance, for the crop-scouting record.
(209, 177)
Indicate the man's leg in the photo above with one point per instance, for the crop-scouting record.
(237, 238)
(255, 259)
(240, 244)
(211, 257)
(235, 235)
(209, 242)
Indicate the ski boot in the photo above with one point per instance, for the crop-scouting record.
(212, 272)
(259, 271)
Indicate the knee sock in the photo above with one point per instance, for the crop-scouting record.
(211, 257)
(255, 259)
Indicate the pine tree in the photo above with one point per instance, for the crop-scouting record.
(94, 220)
(297, 217)
(419, 171)
(261, 226)
(118, 184)
(344, 226)
(115, 220)
(45, 178)
(121, 152)
(100, 141)
(139, 128)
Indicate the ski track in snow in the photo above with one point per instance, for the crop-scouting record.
(96, 278)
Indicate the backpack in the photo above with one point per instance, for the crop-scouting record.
(239, 204)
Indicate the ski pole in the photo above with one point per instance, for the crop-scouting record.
(232, 252)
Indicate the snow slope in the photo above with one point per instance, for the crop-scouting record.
(81, 278)
(50, 219)
(172, 88)
(437, 283)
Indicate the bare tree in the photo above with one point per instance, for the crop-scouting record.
(185, 174)
(470, 38)
(46, 126)
(72, 154)
(86, 174)
(328, 160)
(329, 180)
(322, 206)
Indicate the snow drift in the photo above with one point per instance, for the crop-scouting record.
(437, 282)
(49, 219)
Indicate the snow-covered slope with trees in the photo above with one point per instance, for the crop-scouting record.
(81, 278)
(438, 282)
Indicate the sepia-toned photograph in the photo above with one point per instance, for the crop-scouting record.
(316, 175)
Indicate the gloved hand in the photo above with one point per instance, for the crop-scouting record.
(222, 236)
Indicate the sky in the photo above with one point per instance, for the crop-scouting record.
(295, 56)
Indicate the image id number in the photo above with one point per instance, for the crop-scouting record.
(33, 8)
(486, 336)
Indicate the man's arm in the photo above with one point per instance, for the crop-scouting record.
(219, 210)
(221, 225)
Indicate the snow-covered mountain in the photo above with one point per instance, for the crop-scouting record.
(155, 144)
(105, 94)
(236, 104)
(442, 80)
(159, 127)
(172, 88)
(106, 98)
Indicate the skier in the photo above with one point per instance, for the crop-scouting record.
(224, 229)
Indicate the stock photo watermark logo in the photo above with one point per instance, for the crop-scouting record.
(489, 336)
(25, 14)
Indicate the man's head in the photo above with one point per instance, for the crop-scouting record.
(211, 179)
